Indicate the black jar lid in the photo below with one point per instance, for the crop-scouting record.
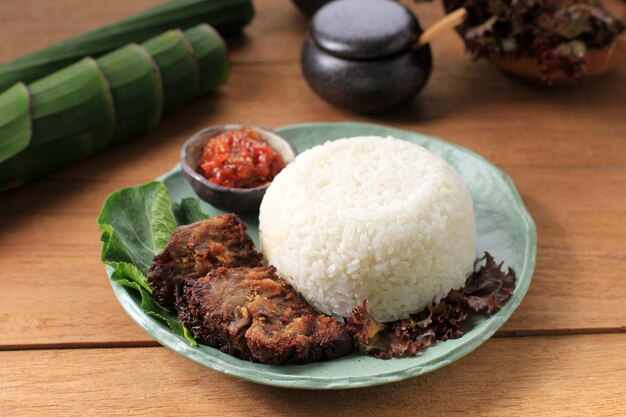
(362, 29)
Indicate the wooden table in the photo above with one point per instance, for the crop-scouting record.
(67, 348)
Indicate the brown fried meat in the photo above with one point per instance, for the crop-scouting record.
(195, 249)
(253, 314)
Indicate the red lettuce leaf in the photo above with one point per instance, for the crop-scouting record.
(488, 288)
(381, 341)
(485, 291)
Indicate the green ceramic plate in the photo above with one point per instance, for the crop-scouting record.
(504, 228)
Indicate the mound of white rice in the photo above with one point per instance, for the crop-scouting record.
(369, 218)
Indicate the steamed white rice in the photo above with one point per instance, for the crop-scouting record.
(369, 218)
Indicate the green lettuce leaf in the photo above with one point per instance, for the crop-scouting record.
(188, 211)
(136, 224)
(152, 308)
(126, 271)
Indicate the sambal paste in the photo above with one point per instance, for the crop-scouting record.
(239, 159)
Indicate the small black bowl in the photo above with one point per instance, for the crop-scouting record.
(238, 200)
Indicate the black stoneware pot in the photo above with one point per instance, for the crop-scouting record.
(361, 55)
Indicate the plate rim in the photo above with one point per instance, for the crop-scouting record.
(469, 342)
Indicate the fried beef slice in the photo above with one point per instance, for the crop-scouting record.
(195, 249)
(255, 315)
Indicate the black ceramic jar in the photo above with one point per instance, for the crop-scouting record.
(361, 55)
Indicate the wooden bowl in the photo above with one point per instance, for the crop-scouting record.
(599, 61)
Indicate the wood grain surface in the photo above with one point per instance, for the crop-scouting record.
(565, 148)
(539, 376)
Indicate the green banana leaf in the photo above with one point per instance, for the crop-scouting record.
(15, 123)
(76, 112)
(136, 87)
(174, 56)
(226, 16)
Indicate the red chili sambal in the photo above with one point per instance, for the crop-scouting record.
(239, 159)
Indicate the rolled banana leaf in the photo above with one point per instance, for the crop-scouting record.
(72, 117)
(174, 55)
(211, 55)
(15, 125)
(135, 82)
(76, 112)
(75, 101)
(226, 16)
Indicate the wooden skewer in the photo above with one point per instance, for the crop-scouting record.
(449, 21)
